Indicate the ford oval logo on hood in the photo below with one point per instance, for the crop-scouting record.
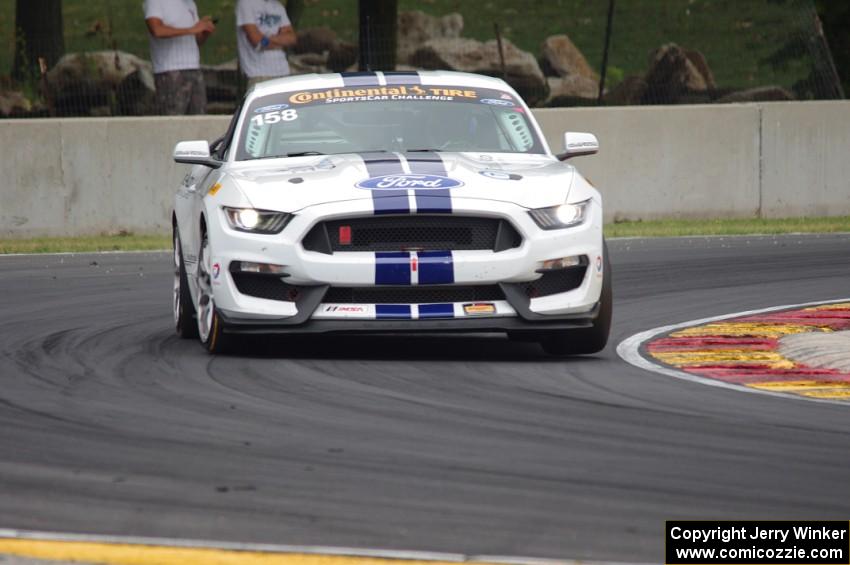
(409, 182)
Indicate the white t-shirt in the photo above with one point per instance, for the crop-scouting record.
(174, 53)
(269, 16)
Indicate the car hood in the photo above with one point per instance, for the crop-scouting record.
(291, 184)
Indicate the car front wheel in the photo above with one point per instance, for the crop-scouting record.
(210, 327)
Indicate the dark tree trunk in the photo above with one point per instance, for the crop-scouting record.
(294, 9)
(378, 24)
(38, 33)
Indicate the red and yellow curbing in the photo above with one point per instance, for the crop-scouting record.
(745, 351)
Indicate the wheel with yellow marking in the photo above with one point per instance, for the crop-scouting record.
(592, 339)
(210, 327)
(184, 311)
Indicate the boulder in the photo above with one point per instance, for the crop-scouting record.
(562, 58)
(698, 60)
(572, 90)
(222, 81)
(468, 55)
(14, 103)
(82, 81)
(308, 63)
(672, 74)
(416, 28)
(342, 56)
(628, 92)
(760, 94)
(315, 40)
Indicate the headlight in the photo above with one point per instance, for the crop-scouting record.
(563, 216)
(256, 221)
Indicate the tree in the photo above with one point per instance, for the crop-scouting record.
(39, 33)
(378, 24)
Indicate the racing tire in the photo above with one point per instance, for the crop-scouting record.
(209, 325)
(586, 340)
(185, 323)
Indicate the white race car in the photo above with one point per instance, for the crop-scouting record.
(389, 202)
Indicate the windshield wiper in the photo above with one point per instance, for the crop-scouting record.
(303, 153)
(422, 150)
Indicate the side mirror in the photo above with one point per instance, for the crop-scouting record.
(578, 143)
(195, 153)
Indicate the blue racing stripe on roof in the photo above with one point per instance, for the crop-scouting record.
(360, 78)
(386, 201)
(392, 311)
(392, 267)
(436, 311)
(402, 77)
(436, 267)
(430, 201)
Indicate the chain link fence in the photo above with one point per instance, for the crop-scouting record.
(553, 52)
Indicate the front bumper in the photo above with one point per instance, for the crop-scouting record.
(315, 273)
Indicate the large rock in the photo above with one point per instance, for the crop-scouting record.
(416, 28)
(315, 40)
(80, 82)
(468, 55)
(628, 92)
(760, 94)
(342, 56)
(572, 90)
(14, 103)
(672, 73)
(562, 58)
(308, 63)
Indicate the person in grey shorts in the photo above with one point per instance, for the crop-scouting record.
(176, 32)
(263, 31)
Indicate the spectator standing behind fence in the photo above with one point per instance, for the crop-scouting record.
(263, 32)
(176, 34)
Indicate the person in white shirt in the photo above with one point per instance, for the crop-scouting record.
(263, 31)
(176, 32)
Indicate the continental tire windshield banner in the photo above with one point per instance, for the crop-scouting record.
(757, 542)
(401, 92)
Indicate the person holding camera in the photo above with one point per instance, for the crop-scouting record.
(176, 34)
(263, 32)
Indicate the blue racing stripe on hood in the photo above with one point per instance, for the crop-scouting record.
(392, 267)
(360, 78)
(386, 201)
(430, 201)
(436, 267)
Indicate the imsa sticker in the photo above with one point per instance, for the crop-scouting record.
(409, 182)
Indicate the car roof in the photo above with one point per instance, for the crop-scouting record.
(362, 79)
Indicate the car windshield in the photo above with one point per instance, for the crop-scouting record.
(386, 118)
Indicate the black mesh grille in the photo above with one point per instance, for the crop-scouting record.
(413, 294)
(413, 233)
(554, 282)
(265, 286)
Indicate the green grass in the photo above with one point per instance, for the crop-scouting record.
(661, 228)
(128, 242)
(734, 35)
(671, 228)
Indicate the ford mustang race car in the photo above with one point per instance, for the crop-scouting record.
(389, 202)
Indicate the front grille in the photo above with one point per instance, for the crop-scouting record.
(412, 233)
(413, 294)
(266, 286)
(554, 282)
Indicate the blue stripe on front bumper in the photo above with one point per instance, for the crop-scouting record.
(436, 311)
(436, 267)
(392, 267)
(392, 311)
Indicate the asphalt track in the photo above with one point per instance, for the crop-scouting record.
(111, 425)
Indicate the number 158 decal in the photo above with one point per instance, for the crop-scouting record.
(275, 117)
